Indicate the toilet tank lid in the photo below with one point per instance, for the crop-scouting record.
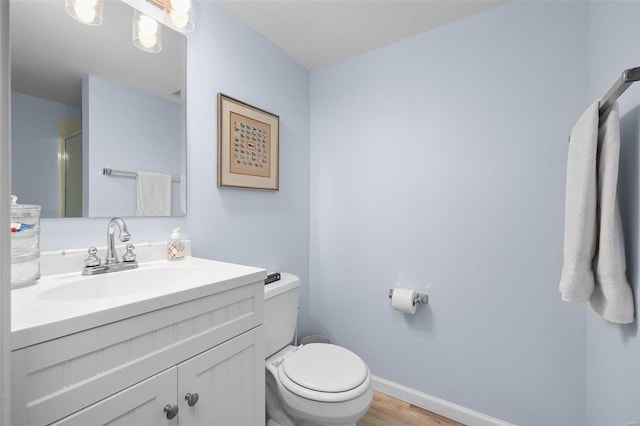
(287, 282)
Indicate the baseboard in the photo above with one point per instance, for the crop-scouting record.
(436, 405)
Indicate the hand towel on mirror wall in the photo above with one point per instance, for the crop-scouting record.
(153, 194)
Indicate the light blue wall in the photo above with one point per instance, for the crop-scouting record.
(34, 149)
(438, 164)
(132, 130)
(261, 228)
(613, 351)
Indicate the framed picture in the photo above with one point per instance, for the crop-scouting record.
(248, 140)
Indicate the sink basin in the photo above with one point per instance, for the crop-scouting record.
(64, 302)
(124, 283)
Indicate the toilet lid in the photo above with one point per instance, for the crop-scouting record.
(324, 367)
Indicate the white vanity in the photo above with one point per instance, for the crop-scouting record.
(169, 343)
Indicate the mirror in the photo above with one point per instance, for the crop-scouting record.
(85, 99)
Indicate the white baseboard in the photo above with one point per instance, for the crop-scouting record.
(439, 406)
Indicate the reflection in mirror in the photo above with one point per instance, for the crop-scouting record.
(84, 98)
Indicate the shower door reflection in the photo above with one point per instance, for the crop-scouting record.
(72, 170)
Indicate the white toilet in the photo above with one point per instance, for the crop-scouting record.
(313, 384)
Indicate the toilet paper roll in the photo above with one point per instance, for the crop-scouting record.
(402, 300)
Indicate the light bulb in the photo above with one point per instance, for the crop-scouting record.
(85, 14)
(180, 6)
(147, 33)
(86, 11)
(147, 26)
(148, 40)
(179, 15)
(180, 20)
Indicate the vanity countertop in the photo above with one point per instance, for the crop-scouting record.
(65, 303)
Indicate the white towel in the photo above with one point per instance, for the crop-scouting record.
(154, 194)
(612, 297)
(577, 282)
(594, 262)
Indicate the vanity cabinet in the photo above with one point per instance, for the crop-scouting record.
(127, 371)
(223, 381)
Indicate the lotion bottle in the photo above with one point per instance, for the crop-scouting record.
(175, 246)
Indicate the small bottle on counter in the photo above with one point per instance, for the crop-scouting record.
(175, 246)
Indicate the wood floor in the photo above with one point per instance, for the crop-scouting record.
(389, 411)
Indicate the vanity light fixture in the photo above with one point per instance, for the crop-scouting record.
(86, 11)
(147, 33)
(179, 13)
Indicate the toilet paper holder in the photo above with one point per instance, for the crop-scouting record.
(418, 299)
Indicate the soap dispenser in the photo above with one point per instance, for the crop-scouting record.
(175, 246)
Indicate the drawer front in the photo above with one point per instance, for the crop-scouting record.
(56, 378)
(141, 404)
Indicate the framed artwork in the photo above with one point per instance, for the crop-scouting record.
(248, 140)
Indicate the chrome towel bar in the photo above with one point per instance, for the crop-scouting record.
(129, 173)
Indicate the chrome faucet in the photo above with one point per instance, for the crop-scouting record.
(93, 265)
(112, 256)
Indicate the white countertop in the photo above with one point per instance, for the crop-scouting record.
(37, 317)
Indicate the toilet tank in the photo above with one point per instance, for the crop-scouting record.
(280, 312)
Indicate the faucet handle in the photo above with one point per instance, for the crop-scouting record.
(129, 256)
(93, 259)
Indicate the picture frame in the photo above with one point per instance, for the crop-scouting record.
(248, 146)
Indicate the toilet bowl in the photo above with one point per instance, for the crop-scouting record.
(317, 384)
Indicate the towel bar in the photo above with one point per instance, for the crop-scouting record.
(626, 79)
(129, 173)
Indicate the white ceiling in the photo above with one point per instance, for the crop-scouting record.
(51, 52)
(321, 32)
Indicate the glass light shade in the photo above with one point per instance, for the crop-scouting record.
(88, 12)
(147, 33)
(179, 14)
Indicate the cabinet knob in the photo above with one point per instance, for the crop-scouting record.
(192, 399)
(171, 410)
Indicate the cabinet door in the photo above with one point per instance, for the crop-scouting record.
(229, 380)
(141, 405)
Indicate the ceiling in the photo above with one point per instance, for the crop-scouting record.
(46, 43)
(317, 33)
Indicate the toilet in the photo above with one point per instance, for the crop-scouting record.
(317, 384)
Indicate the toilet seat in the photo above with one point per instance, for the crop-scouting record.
(325, 373)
